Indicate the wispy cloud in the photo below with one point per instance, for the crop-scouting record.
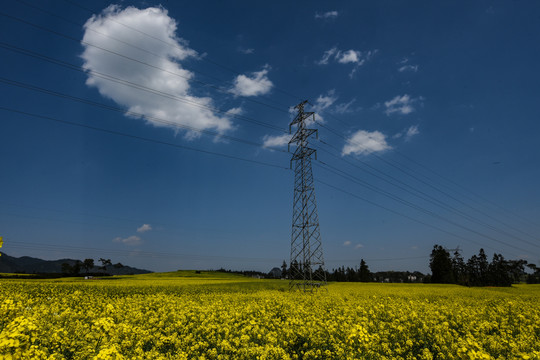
(407, 133)
(358, 246)
(401, 104)
(131, 240)
(411, 68)
(165, 76)
(327, 15)
(246, 51)
(254, 85)
(327, 55)
(345, 108)
(355, 57)
(346, 243)
(144, 228)
(364, 142)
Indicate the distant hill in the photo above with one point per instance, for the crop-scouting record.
(30, 265)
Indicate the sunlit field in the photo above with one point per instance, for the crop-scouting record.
(185, 315)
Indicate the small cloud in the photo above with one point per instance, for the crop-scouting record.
(412, 68)
(471, 130)
(327, 55)
(349, 56)
(131, 240)
(144, 228)
(346, 243)
(254, 85)
(327, 15)
(411, 131)
(270, 141)
(246, 51)
(358, 246)
(414, 247)
(365, 142)
(407, 133)
(401, 104)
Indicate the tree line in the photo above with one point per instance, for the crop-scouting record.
(88, 265)
(477, 270)
(356, 274)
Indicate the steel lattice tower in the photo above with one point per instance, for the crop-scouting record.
(306, 266)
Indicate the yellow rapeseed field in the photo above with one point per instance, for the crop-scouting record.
(176, 316)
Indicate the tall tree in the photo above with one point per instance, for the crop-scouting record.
(364, 273)
(441, 266)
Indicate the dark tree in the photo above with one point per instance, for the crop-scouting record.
(441, 266)
(459, 269)
(364, 273)
(284, 270)
(118, 265)
(88, 264)
(76, 268)
(105, 263)
(66, 268)
(498, 272)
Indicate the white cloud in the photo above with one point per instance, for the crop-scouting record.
(358, 246)
(164, 76)
(144, 228)
(322, 103)
(365, 142)
(411, 131)
(131, 240)
(346, 243)
(257, 84)
(413, 68)
(327, 15)
(401, 104)
(270, 141)
(350, 56)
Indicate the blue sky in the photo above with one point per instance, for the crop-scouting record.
(155, 134)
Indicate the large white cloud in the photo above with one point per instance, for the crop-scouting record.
(142, 37)
(254, 85)
(365, 142)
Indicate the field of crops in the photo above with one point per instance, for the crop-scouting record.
(216, 316)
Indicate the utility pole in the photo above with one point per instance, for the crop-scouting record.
(306, 266)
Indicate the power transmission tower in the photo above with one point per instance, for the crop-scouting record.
(306, 266)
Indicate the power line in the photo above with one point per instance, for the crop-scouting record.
(125, 111)
(426, 197)
(348, 193)
(416, 207)
(118, 133)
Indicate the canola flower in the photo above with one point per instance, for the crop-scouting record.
(152, 317)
